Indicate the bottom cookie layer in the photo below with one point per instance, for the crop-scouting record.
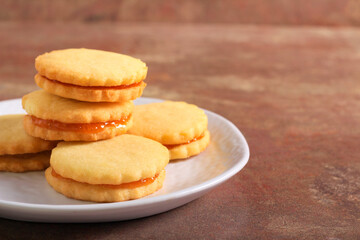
(89, 94)
(101, 193)
(50, 134)
(25, 162)
(190, 149)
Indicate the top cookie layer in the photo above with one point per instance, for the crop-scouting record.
(169, 122)
(87, 67)
(47, 106)
(126, 158)
(14, 140)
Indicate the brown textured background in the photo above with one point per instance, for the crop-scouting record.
(291, 86)
(290, 12)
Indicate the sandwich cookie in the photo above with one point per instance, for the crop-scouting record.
(20, 152)
(181, 127)
(91, 75)
(52, 117)
(118, 169)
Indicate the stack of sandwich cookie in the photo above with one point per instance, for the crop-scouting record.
(91, 75)
(179, 126)
(87, 96)
(20, 152)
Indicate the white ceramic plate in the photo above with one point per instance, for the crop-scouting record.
(28, 197)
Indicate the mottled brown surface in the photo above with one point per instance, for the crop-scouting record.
(293, 92)
(293, 12)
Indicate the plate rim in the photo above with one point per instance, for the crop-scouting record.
(209, 184)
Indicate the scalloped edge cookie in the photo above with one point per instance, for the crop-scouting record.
(88, 94)
(191, 149)
(48, 106)
(25, 162)
(15, 140)
(169, 122)
(101, 193)
(123, 159)
(90, 67)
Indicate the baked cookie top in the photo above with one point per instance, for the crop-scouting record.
(169, 122)
(14, 140)
(48, 106)
(126, 158)
(88, 67)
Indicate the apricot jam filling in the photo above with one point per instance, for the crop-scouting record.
(119, 87)
(170, 146)
(80, 127)
(136, 184)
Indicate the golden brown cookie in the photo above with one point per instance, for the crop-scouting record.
(52, 117)
(191, 148)
(25, 162)
(91, 75)
(118, 169)
(20, 152)
(180, 126)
